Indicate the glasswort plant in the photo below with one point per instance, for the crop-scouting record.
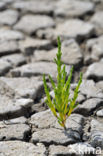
(61, 105)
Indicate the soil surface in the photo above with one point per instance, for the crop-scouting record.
(28, 45)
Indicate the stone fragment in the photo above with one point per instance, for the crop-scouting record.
(77, 149)
(28, 45)
(95, 71)
(36, 7)
(31, 23)
(25, 87)
(99, 85)
(97, 139)
(89, 89)
(37, 68)
(6, 34)
(13, 131)
(48, 34)
(75, 28)
(4, 67)
(43, 119)
(8, 17)
(95, 48)
(18, 148)
(46, 120)
(96, 125)
(100, 113)
(98, 22)
(11, 106)
(89, 106)
(55, 150)
(19, 120)
(73, 9)
(75, 122)
(15, 59)
(71, 54)
(8, 47)
(96, 133)
(14, 107)
(55, 136)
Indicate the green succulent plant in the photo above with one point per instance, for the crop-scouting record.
(61, 105)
